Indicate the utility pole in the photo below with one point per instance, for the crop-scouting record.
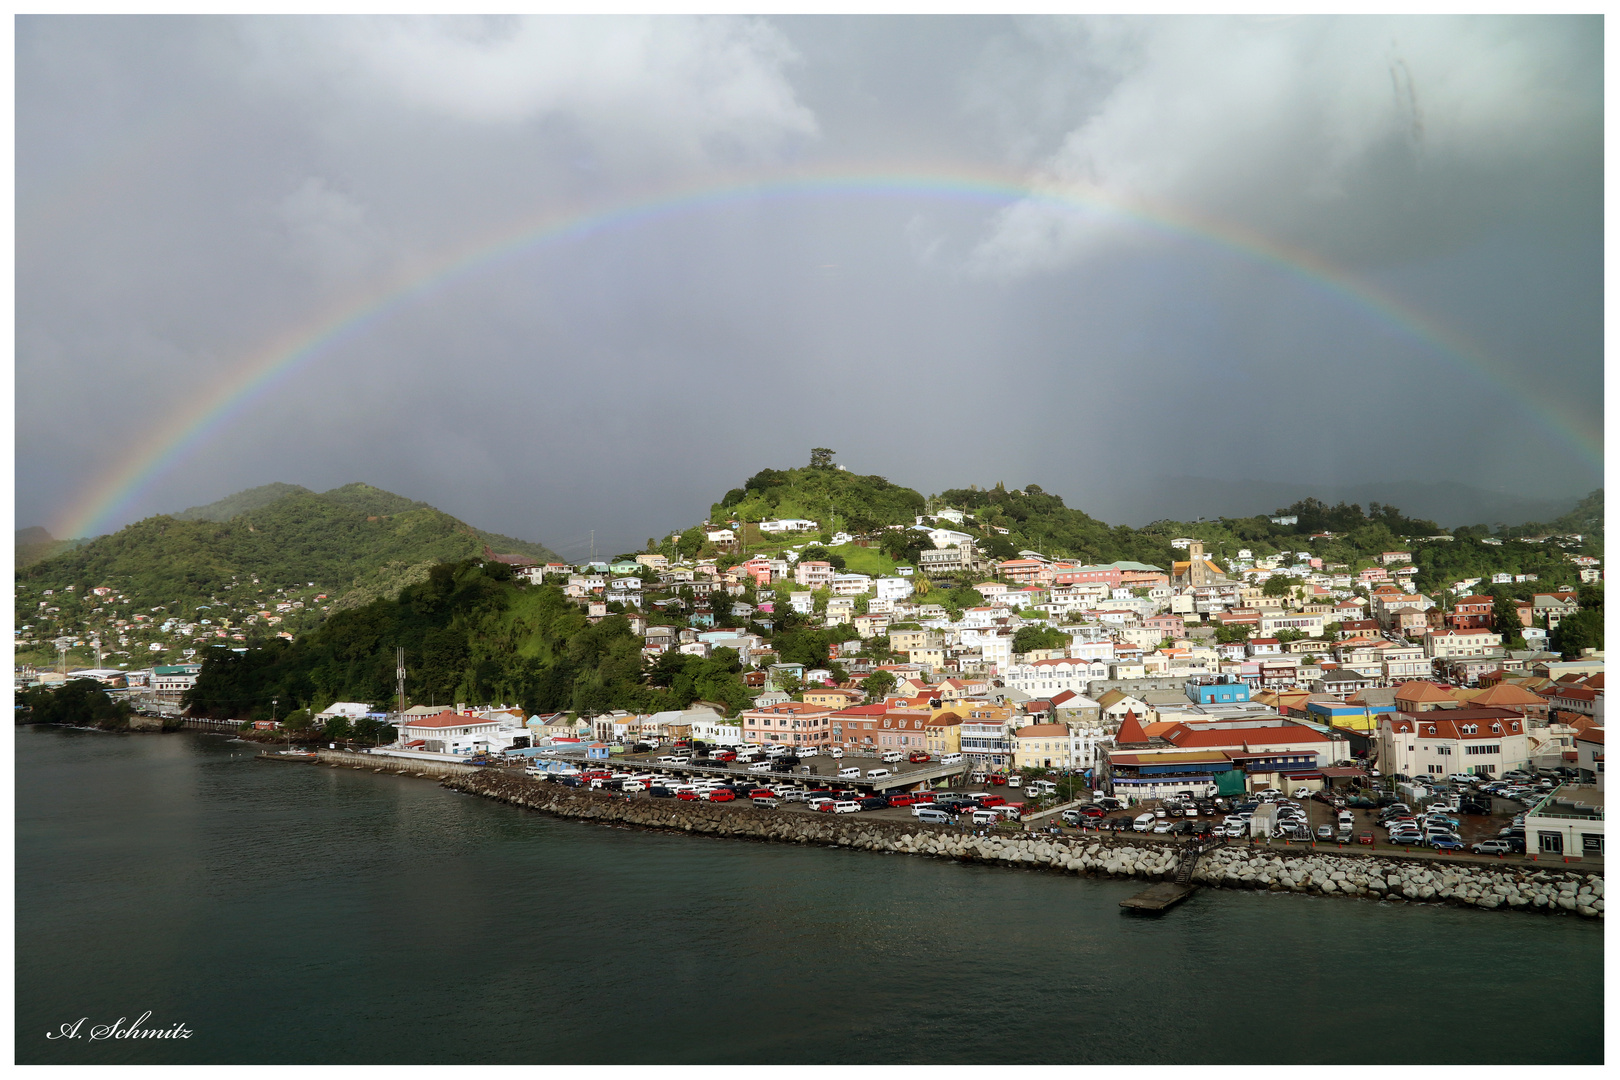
(399, 674)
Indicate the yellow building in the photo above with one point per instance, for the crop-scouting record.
(834, 697)
(944, 734)
(1043, 746)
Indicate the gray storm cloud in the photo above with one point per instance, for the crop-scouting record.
(190, 191)
(1351, 136)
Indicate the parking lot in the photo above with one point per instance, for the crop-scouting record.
(1472, 828)
(821, 772)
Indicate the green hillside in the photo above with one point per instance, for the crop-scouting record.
(243, 501)
(823, 492)
(319, 552)
(470, 633)
(35, 544)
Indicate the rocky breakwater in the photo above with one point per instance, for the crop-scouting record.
(1433, 881)
(1100, 855)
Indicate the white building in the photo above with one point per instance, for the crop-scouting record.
(787, 525)
(1441, 742)
(1568, 822)
(458, 733)
(893, 588)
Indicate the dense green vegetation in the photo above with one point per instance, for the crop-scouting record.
(242, 502)
(471, 633)
(823, 493)
(77, 702)
(354, 537)
(1031, 638)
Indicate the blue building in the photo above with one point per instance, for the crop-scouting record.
(1221, 693)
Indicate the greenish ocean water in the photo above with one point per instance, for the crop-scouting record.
(285, 914)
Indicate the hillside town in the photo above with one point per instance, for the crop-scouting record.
(1268, 673)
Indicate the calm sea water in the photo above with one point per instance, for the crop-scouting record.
(288, 913)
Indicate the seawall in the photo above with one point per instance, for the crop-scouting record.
(404, 766)
(1278, 870)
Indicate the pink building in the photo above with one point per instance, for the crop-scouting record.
(792, 722)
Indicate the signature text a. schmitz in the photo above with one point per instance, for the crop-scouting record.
(119, 1029)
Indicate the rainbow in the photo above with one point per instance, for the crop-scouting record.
(260, 372)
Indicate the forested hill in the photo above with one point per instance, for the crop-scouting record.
(471, 633)
(840, 500)
(354, 543)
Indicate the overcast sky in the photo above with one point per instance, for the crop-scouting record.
(192, 192)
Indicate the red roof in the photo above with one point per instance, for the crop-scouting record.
(447, 719)
(1186, 735)
(1430, 726)
(1130, 730)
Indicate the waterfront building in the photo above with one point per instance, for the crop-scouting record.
(1568, 822)
(1439, 743)
(795, 722)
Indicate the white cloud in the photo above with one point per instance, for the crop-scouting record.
(701, 89)
(1310, 130)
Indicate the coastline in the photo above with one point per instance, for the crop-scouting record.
(1373, 877)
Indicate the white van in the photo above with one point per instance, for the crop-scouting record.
(1143, 822)
(1015, 780)
(837, 751)
(951, 759)
(1347, 820)
(760, 766)
(808, 751)
(927, 815)
(846, 773)
(985, 817)
(877, 774)
(1011, 813)
(892, 756)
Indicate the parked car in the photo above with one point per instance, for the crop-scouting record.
(1071, 817)
(846, 807)
(985, 817)
(1446, 843)
(1144, 822)
(918, 756)
(1324, 832)
(902, 800)
(1365, 838)
(891, 756)
(927, 815)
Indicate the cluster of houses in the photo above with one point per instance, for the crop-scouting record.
(175, 630)
(1142, 695)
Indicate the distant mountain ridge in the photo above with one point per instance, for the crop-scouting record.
(356, 539)
(1451, 504)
